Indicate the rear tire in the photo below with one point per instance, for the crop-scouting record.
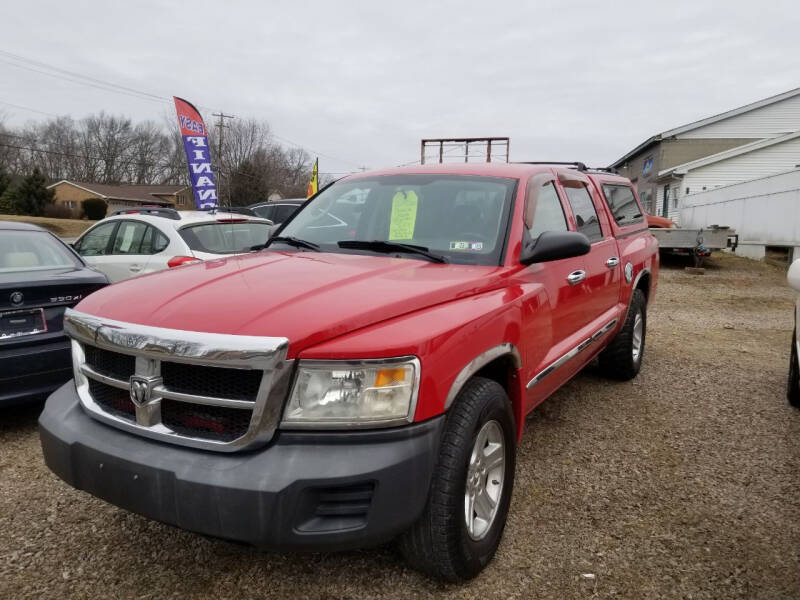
(622, 359)
(458, 534)
(793, 387)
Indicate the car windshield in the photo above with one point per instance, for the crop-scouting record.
(458, 217)
(32, 251)
(225, 238)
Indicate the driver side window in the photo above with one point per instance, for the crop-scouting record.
(95, 243)
(549, 214)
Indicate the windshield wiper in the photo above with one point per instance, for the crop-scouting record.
(389, 247)
(289, 241)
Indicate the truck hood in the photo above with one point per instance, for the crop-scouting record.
(306, 297)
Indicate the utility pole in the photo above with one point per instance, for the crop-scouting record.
(221, 126)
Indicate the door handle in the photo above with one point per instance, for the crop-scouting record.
(612, 262)
(135, 268)
(576, 277)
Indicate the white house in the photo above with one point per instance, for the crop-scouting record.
(750, 142)
(757, 159)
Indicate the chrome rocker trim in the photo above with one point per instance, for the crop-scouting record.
(151, 345)
(565, 358)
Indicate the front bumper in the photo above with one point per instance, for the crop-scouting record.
(305, 491)
(34, 370)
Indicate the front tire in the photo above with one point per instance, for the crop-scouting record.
(622, 359)
(793, 387)
(463, 520)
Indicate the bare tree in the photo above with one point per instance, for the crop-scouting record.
(105, 148)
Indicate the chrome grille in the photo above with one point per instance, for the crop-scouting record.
(214, 391)
(111, 364)
(211, 381)
(114, 400)
(212, 422)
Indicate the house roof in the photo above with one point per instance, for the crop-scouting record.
(720, 156)
(130, 192)
(707, 121)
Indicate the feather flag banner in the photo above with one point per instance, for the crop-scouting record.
(198, 154)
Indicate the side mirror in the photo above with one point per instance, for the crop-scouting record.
(553, 245)
(794, 275)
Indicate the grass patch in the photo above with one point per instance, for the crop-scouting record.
(61, 227)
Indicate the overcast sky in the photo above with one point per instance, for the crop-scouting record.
(361, 82)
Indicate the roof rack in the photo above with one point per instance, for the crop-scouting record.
(576, 165)
(611, 170)
(156, 211)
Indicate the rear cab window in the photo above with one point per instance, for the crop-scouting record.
(621, 201)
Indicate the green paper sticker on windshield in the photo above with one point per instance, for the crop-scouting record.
(404, 215)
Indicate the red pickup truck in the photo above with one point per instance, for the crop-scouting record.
(365, 375)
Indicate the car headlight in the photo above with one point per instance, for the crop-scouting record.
(346, 394)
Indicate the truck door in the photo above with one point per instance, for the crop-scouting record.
(602, 264)
(555, 308)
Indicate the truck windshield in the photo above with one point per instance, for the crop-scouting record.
(460, 218)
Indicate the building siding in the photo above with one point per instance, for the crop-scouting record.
(752, 165)
(680, 151)
(70, 196)
(669, 153)
(765, 122)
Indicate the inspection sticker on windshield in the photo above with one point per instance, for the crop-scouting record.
(466, 245)
(404, 215)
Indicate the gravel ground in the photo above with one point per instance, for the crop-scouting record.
(680, 484)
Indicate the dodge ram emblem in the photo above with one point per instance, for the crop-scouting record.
(17, 298)
(142, 388)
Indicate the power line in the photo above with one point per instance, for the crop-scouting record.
(316, 152)
(33, 110)
(36, 66)
(73, 74)
(143, 163)
(419, 160)
(78, 81)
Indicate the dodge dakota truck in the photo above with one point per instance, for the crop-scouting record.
(363, 375)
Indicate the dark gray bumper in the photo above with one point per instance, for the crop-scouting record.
(310, 491)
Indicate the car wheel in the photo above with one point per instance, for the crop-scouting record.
(622, 359)
(463, 520)
(793, 388)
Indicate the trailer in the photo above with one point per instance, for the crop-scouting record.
(697, 243)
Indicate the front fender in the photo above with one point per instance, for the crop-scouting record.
(452, 340)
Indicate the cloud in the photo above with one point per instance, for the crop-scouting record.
(364, 81)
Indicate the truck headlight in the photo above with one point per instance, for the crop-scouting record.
(347, 394)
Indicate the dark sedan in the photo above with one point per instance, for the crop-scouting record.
(40, 277)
